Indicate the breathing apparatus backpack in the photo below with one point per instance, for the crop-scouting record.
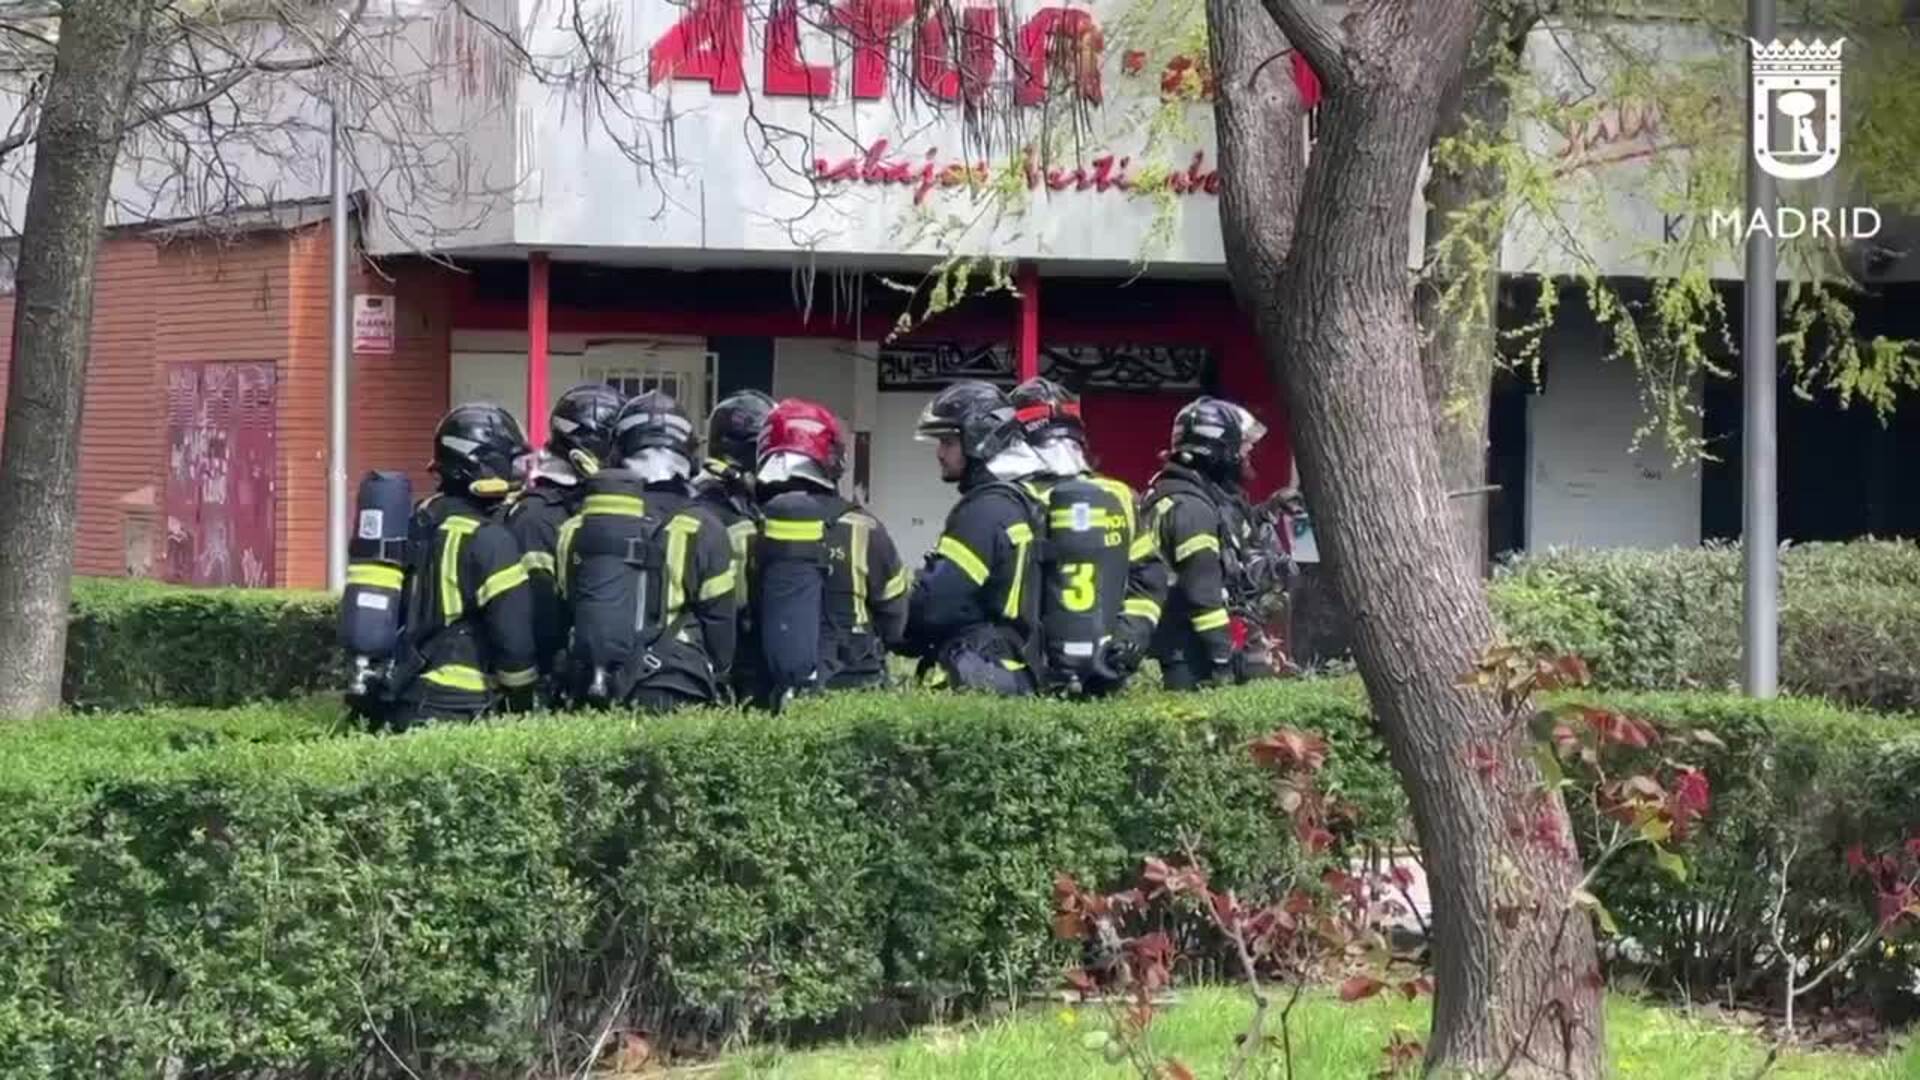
(373, 607)
(789, 591)
(620, 584)
(1083, 564)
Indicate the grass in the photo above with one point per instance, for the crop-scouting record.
(1330, 1040)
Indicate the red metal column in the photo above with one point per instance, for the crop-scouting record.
(537, 299)
(1027, 340)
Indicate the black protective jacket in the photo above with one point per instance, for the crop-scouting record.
(535, 520)
(830, 590)
(977, 600)
(1200, 529)
(727, 493)
(469, 633)
(674, 640)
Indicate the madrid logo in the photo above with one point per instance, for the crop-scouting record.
(1796, 122)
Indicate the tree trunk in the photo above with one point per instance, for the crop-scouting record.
(1460, 346)
(99, 51)
(1324, 275)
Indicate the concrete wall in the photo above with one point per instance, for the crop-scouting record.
(1584, 487)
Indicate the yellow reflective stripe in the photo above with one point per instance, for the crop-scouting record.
(678, 570)
(963, 557)
(538, 561)
(502, 581)
(1194, 545)
(1119, 490)
(514, 680)
(375, 576)
(618, 505)
(740, 537)
(795, 531)
(454, 532)
(565, 548)
(1142, 548)
(1141, 608)
(857, 565)
(718, 585)
(897, 585)
(1209, 620)
(458, 677)
(1021, 534)
(1013, 665)
(1096, 519)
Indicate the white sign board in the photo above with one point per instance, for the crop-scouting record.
(373, 324)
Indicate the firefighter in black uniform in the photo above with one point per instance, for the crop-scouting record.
(974, 608)
(1051, 420)
(468, 643)
(579, 444)
(725, 487)
(829, 584)
(647, 573)
(1200, 519)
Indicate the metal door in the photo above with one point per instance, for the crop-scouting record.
(222, 430)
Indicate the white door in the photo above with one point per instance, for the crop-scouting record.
(680, 367)
(500, 378)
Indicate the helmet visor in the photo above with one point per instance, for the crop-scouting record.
(1252, 431)
(932, 427)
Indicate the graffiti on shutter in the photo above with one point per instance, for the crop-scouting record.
(221, 463)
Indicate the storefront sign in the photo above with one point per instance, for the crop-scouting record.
(1107, 175)
(373, 324)
(709, 42)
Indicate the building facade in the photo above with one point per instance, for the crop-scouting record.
(774, 213)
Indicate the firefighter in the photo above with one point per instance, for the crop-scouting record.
(974, 609)
(1052, 423)
(647, 574)
(579, 444)
(1200, 520)
(829, 584)
(468, 644)
(725, 487)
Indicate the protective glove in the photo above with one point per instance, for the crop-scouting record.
(1120, 657)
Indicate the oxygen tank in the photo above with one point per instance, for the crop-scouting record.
(790, 562)
(1085, 575)
(371, 609)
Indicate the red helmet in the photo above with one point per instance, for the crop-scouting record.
(798, 426)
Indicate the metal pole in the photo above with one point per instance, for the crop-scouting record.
(340, 370)
(1760, 539)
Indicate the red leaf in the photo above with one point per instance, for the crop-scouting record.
(1080, 981)
(1133, 62)
(1155, 872)
(1225, 910)
(1913, 847)
(1064, 890)
(1360, 988)
(1856, 858)
(1317, 840)
(1298, 903)
(1401, 876)
(1176, 1071)
(1410, 988)
(1156, 947)
(1482, 759)
(1067, 926)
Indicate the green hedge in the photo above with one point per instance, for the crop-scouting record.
(469, 896)
(139, 644)
(1797, 777)
(1671, 620)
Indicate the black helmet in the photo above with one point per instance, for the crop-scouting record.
(733, 431)
(974, 412)
(1218, 434)
(582, 427)
(1048, 411)
(474, 449)
(653, 421)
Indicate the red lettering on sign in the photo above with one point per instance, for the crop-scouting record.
(705, 44)
(873, 24)
(1077, 32)
(927, 173)
(939, 76)
(787, 75)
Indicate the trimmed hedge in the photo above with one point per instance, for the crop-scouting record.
(139, 644)
(1670, 620)
(473, 896)
(1797, 777)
